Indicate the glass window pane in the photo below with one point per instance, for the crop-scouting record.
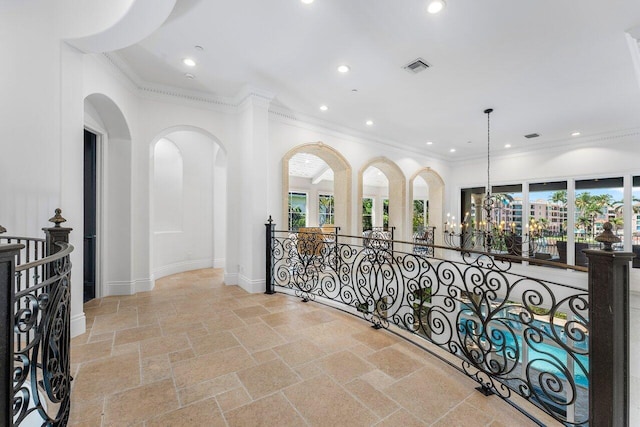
(597, 201)
(548, 213)
(297, 210)
(367, 213)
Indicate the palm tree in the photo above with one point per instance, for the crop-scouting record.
(559, 196)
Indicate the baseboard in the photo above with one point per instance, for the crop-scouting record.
(78, 325)
(230, 279)
(180, 267)
(252, 286)
(144, 285)
(218, 263)
(119, 288)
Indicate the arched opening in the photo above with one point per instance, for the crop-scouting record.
(111, 242)
(433, 190)
(188, 200)
(324, 176)
(396, 190)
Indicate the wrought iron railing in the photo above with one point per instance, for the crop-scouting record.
(36, 362)
(517, 336)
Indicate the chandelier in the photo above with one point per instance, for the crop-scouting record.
(488, 232)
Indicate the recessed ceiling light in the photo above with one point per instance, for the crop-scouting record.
(575, 134)
(507, 146)
(307, 1)
(435, 6)
(324, 108)
(189, 62)
(343, 69)
(189, 76)
(429, 143)
(369, 122)
(453, 150)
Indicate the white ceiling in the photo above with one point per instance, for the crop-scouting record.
(546, 66)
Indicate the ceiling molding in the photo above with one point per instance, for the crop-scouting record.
(561, 145)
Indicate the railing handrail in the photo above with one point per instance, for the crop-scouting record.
(513, 258)
(65, 249)
(32, 239)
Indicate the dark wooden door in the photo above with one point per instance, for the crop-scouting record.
(90, 178)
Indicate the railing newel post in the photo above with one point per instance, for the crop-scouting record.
(8, 255)
(609, 334)
(269, 236)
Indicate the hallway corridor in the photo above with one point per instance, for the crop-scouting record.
(194, 352)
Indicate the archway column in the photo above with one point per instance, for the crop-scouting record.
(248, 194)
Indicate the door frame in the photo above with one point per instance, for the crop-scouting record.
(100, 262)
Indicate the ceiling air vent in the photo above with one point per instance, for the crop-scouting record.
(416, 66)
(532, 135)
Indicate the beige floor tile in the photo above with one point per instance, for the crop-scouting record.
(221, 347)
(105, 376)
(267, 378)
(378, 379)
(161, 345)
(328, 404)
(215, 342)
(233, 399)
(373, 399)
(85, 410)
(141, 403)
(252, 311)
(124, 319)
(345, 366)
(189, 372)
(137, 334)
(271, 411)
(394, 363)
(207, 389)
(403, 418)
(499, 410)
(258, 337)
(203, 413)
(460, 416)
(91, 351)
(94, 421)
(377, 340)
(428, 394)
(156, 368)
(107, 336)
(299, 352)
(179, 355)
(264, 356)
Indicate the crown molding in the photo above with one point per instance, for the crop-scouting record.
(303, 121)
(558, 145)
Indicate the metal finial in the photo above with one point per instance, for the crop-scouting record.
(607, 238)
(270, 220)
(57, 219)
(2, 229)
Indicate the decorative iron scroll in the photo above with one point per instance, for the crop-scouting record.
(512, 334)
(41, 368)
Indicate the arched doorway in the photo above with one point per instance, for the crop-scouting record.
(188, 201)
(108, 245)
(434, 194)
(339, 169)
(396, 194)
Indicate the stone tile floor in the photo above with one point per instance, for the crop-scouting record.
(195, 352)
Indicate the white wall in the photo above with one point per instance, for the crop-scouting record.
(183, 220)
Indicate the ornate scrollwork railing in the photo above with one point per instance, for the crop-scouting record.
(36, 376)
(514, 335)
(41, 369)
